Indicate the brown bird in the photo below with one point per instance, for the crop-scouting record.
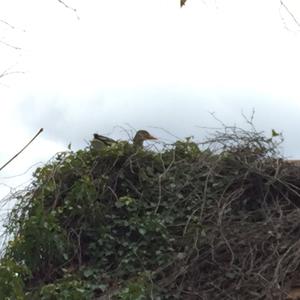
(101, 141)
(141, 136)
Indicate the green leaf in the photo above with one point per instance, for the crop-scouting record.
(88, 272)
(274, 133)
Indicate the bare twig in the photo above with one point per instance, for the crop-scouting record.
(10, 45)
(40, 131)
(290, 13)
(182, 2)
(6, 73)
(69, 7)
(8, 24)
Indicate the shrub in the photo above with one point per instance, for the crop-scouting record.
(182, 223)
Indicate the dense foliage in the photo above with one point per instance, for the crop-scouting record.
(187, 222)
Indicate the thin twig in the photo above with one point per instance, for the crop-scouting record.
(40, 131)
(69, 7)
(10, 45)
(290, 13)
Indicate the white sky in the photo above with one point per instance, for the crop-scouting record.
(146, 63)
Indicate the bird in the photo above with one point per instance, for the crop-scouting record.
(141, 136)
(101, 141)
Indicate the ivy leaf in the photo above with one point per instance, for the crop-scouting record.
(274, 133)
(88, 272)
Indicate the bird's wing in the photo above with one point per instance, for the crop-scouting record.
(103, 139)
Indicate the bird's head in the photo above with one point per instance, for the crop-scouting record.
(141, 136)
(144, 135)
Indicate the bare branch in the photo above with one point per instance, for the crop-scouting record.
(11, 46)
(40, 131)
(6, 23)
(182, 2)
(11, 26)
(290, 13)
(7, 72)
(69, 7)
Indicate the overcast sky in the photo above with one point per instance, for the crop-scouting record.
(143, 64)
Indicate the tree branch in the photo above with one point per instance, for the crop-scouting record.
(40, 131)
(69, 7)
(290, 13)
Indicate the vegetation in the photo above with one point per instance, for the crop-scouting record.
(216, 221)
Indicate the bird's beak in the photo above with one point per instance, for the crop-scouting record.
(151, 137)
